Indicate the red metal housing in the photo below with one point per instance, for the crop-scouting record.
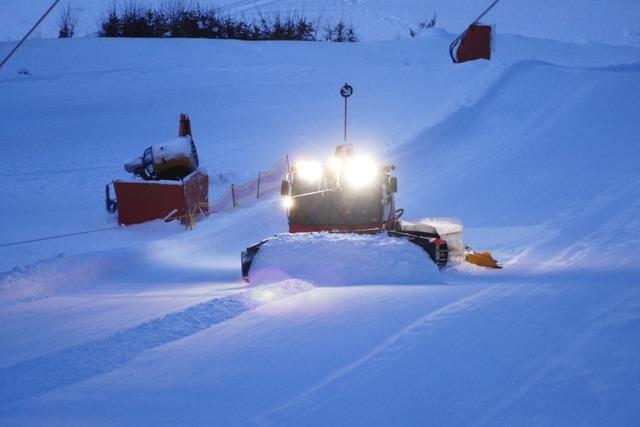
(475, 44)
(142, 201)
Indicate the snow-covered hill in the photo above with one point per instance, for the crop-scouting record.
(535, 151)
(602, 21)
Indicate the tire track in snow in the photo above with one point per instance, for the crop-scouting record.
(389, 350)
(245, 5)
(608, 313)
(391, 19)
(69, 366)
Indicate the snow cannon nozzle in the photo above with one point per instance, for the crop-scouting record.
(184, 129)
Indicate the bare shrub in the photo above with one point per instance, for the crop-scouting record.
(67, 22)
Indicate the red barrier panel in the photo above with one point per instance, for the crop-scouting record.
(142, 201)
(475, 44)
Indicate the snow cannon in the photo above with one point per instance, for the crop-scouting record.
(172, 160)
(171, 185)
(350, 194)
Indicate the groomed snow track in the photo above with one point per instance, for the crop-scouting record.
(538, 158)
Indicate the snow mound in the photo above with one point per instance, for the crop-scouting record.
(343, 259)
(531, 173)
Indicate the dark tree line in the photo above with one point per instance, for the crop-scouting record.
(194, 21)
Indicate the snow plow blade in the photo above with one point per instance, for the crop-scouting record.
(345, 258)
(483, 259)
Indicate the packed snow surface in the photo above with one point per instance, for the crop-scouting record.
(535, 151)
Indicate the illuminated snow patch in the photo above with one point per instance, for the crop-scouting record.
(343, 259)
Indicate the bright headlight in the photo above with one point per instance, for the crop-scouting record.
(360, 171)
(335, 165)
(287, 202)
(309, 171)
